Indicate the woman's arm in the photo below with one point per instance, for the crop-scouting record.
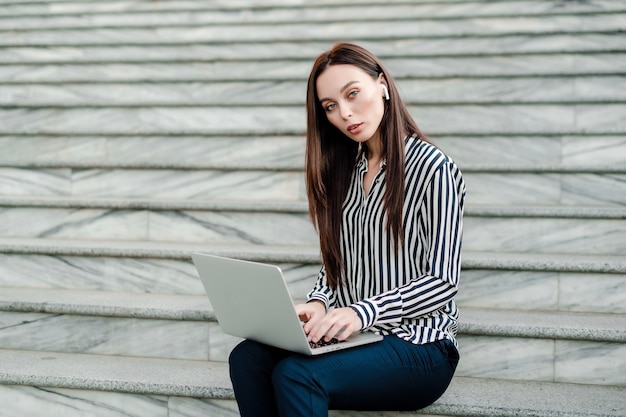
(321, 291)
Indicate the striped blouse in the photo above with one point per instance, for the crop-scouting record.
(409, 293)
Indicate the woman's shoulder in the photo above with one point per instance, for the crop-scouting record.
(424, 160)
(423, 155)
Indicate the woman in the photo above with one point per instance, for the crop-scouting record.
(388, 208)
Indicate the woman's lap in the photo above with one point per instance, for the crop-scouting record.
(389, 375)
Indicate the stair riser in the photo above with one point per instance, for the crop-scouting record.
(584, 292)
(575, 236)
(125, 274)
(567, 152)
(482, 356)
(582, 236)
(483, 188)
(108, 336)
(180, 226)
(182, 14)
(543, 360)
(420, 47)
(592, 119)
(550, 235)
(470, 91)
(281, 70)
(223, 185)
(332, 31)
(288, 151)
(27, 401)
(187, 152)
(578, 189)
(30, 401)
(558, 291)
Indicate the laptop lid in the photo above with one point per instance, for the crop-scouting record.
(251, 300)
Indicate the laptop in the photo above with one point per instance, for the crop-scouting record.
(251, 300)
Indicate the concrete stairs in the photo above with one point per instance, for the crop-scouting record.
(135, 132)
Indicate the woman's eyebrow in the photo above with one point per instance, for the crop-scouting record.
(348, 84)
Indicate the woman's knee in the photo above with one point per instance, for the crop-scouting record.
(291, 371)
(241, 353)
(249, 357)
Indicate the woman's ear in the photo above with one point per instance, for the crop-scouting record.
(385, 91)
(383, 85)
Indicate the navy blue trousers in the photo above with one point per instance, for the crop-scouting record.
(389, 375)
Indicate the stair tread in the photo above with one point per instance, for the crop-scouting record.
(605, 118)
(481, 210)
(541, 324)
(565, 90)
(465, 396)
(473, 321)
(304, 254)
(169, 13)
(574, 155)
(306, 31)
(403, 68)
(466, 47)
(173, 250)
(293, 164)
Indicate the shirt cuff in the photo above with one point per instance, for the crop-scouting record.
(318, 297)
(366, 310)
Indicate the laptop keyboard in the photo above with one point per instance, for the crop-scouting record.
(322, 343)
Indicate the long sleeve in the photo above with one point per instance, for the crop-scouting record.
(321, 291)
(439, 225)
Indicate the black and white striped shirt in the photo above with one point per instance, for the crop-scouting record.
(409, 293)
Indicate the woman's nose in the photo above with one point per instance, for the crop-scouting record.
(345, 112)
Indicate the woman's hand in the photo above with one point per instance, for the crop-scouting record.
(311, 312)
(339, 323)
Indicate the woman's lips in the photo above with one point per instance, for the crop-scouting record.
(355, 128)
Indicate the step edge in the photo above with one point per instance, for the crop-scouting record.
(210, 380)
(589, 326)
(243, 205)
(613, 264)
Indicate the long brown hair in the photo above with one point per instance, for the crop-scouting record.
(331, 156)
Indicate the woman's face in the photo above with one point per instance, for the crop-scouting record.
(353, 101)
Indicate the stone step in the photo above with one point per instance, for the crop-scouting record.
(519, 288)
(89, 15)
(407, 28)
(78, 384)
(237, 225)
(570, 153)
(573, 230)
(513, 119)
(467, 46)
(554, 154)
(596, 327)
(529, 283)
(149, 183)
(541, 186)
(563, 347)
(546, 234)
(542, 65)
(562, 90)
(128, 272)
(253, 152)
(582, 283)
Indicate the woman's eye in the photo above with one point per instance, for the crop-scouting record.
(352, 93)
(329, 107)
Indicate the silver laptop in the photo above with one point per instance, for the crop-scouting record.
(251, 300)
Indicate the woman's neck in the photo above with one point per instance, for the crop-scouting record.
(374, 150)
